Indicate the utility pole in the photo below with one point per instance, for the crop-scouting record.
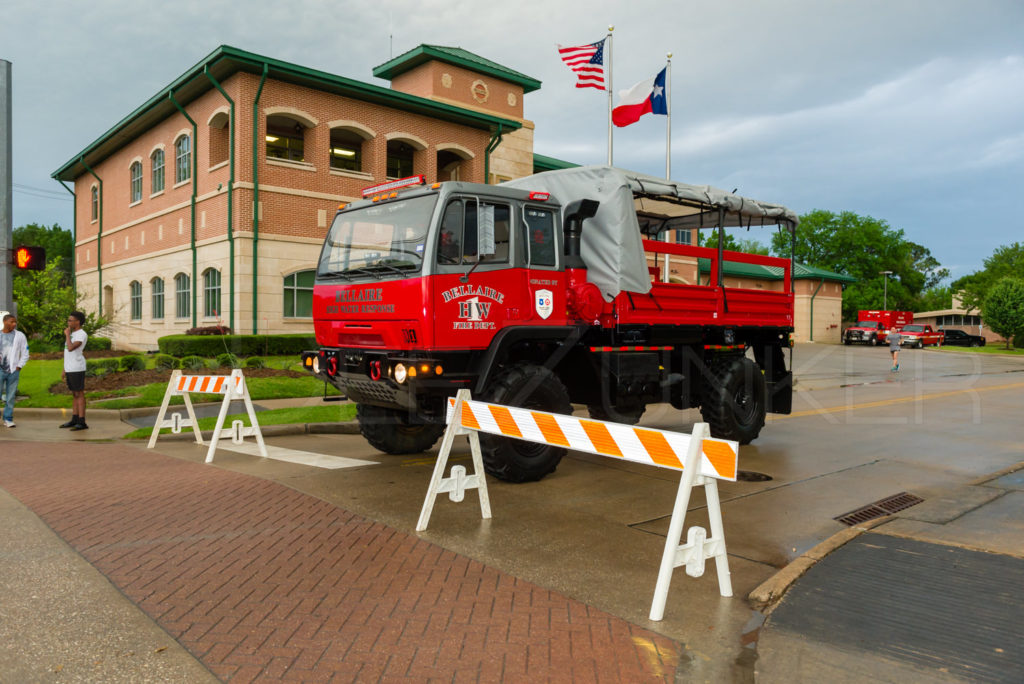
(6, 194)
(885, 290)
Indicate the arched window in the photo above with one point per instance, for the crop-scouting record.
(182, 295)
(298, 294)
(157, 173)
(218, 135)
(157, 288)
(95, 203)
(286, 138)
(400, 159)
(346, 150)
(136, 299)
(182, 159)
(211, 292)
(136, 176)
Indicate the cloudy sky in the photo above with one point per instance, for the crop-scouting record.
(905, 110)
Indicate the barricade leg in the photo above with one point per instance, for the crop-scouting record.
(718, 536)
(228, 396)
(254, 424)
(163, 409)
(675, 528)
(455, 484)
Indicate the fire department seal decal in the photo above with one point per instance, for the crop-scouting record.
(543, 302)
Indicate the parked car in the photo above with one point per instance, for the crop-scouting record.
(919, 335)
(962, 339)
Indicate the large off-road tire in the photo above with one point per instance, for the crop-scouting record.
(626, 416)
(528, 386)
(391, 431)
(734, 400)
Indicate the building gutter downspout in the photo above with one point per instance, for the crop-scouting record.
(231, 195)
(99, 237)
(492, 145)
(256, 198)
(195, 179)
(74, 239)
(816, 290)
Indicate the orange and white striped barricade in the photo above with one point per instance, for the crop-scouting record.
(703, 461)
(231, 386)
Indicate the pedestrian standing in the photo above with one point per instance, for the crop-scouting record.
(894, 348)
(74, 369)
(13, 357)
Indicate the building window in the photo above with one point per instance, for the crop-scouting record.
(95, 203)
(286, 139)
(211, 292)
(400, 159)
(683, 237)
(298, 294)
(136, 297)
(182, 159)
(136, 175)
(449, 165)
(157, 164)
(217, 136)
(346, 150)
(182, 296)
(157, 285)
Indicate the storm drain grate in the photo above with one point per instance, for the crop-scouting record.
(887, 506)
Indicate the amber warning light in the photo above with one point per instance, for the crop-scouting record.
(30, 258)
(394, 185)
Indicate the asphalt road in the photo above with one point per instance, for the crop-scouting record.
(594, 530)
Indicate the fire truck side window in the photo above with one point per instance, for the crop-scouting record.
(540, 236)
(502, 218)
(449, 249)
(458, 239)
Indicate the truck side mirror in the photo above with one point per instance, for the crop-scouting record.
(485, 228)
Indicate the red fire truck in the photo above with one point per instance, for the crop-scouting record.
(872, 326)
(543, 292)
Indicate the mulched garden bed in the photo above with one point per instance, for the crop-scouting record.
(118, 380)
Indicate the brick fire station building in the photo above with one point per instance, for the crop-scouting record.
(209, 203)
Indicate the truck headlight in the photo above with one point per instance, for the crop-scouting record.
(316, 365)
(400, 373)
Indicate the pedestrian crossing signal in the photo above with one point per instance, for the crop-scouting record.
(30, 258)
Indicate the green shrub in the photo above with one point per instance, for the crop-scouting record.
(228, 360)
(193, 363)
(255, 362)
(132, 362)
(98, 367)
(97, 343)
(239, 345)
(165, 362)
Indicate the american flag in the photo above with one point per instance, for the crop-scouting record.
(588, 63)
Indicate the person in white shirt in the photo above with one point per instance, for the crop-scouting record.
(74, 369)
(13, 357)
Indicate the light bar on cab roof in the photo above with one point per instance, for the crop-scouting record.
(540, 196)
(394, 185)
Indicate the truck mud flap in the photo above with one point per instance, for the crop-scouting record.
(780, 394)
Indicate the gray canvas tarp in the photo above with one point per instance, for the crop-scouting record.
(612, 243)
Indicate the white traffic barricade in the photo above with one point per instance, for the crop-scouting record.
(231, 386)
(703, 461)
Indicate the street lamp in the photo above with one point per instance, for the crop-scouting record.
(885, 290)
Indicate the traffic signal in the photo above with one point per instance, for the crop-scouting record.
(30, 258)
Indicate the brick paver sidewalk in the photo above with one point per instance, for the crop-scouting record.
(262, 582)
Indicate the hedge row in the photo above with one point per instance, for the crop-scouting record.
(239, 345)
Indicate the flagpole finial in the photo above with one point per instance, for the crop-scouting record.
(610, 28)
(669, 55)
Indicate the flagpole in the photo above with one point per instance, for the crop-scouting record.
(668, 119)
(608, 80)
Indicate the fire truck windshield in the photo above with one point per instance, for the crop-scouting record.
(381, 240)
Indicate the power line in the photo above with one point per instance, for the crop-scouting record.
(39, 193)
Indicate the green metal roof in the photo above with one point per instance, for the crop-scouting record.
(226, 61)
(800, 271)
(456, 56)
(543, 163)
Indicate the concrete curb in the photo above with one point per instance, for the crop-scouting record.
(767, 595)
(350, 428)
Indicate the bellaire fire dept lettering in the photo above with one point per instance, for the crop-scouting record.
(474, 309)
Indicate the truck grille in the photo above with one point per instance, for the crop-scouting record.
(370, 391)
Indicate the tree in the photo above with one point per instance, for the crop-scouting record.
(58, 243)
(1007, 260)
(709, 238)
(863, 247)
(44, 301)
(1003, 308)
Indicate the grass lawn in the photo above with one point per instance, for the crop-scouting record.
(38, 376)
(987, 349)
(312, 414)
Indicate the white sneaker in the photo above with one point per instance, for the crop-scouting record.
(9, 423)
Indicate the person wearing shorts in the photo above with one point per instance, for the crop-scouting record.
(894, 338)
(74, 369)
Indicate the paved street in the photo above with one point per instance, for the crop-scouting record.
(249, 563)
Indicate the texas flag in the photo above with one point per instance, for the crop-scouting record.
(646, 97)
